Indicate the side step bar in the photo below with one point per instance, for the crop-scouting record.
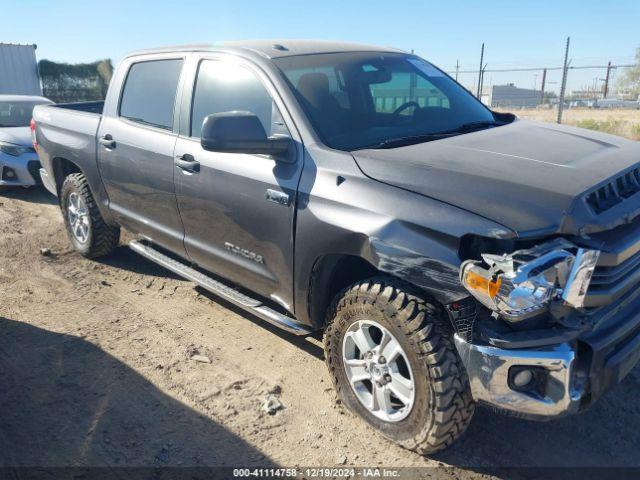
(239, 299)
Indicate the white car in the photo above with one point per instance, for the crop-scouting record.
(19, 164)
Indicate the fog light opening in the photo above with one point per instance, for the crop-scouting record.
(529, 379)
(8, 173)
(522, 378)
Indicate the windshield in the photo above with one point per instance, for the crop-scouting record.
(16, 114)
(366, 100)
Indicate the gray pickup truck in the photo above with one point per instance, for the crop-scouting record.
(450, 254)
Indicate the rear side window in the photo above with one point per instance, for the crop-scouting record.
(149, 93)
(224, 87)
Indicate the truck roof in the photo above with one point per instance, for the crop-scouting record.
(273, 48)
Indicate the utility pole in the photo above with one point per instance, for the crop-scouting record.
(544, 82)
(606, 81)
(565, 71)
(457, 68)
(482, 81)
(480, 71)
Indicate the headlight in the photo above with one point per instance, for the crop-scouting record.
(522, 284)
(14, 150)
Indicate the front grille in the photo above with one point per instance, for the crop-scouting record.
(610, 277)
(614, 342)
(463, 314)
(618, 269)
(34, 170)
(615, 191)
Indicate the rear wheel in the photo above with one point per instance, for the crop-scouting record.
(87, 230)
(393, 362)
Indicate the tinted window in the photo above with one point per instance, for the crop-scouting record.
(403, 88)
(372, 100)
(150, 92)
(17, 114)
(225, 87)
(334, 79)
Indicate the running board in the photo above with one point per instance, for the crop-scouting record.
(232, 295)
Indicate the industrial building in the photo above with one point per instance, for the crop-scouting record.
(510, 96)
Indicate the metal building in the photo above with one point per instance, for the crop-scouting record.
(511, 96)
(19, 70)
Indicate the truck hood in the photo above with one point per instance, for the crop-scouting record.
(16, 135)
(531, 177)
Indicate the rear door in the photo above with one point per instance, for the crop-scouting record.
(136, 140)
(238, 209)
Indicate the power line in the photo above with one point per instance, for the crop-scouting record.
(537, 69)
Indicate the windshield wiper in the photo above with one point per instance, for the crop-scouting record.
(409, 140)
(428, 137)
(470, 126)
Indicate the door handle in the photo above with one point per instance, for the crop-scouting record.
(107, 141)
(187, 163)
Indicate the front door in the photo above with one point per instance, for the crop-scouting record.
(238, 209)
(135, 153)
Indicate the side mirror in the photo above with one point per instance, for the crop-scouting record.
(239, 132)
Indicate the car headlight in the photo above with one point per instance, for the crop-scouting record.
(521, 284)
(14, 150)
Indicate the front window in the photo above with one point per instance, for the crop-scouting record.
(16, 114)
(223, 86)
(366, 100)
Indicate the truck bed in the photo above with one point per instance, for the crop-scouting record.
(88, 107)
(68, 131)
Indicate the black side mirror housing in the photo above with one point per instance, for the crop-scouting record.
(240, 132)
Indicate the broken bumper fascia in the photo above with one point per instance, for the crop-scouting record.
(489, 370)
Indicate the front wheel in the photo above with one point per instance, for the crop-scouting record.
(89, 233)
(393, 362)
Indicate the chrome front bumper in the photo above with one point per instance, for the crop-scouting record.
(489, 368)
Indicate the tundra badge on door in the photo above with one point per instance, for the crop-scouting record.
(244, 252)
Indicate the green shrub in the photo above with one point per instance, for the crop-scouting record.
(607, 126)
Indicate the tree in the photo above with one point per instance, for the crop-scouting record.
(629, 81)
(62, 82)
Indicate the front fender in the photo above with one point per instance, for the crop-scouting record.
(406, 235)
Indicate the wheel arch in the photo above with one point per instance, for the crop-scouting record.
(332, 273)
(62, 168)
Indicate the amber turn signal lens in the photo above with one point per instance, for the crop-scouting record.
(481, 284)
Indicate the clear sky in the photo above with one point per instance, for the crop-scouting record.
(517, 33)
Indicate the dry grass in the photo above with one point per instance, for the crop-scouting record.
(623, 122)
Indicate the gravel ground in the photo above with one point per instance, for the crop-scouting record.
(120, 363)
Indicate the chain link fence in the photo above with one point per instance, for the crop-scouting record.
(601, 96)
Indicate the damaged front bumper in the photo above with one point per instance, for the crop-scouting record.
(568, 374)
(492, 371)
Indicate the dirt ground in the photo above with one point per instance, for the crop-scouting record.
(96, 369)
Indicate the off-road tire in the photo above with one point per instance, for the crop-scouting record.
(103, 238)
(443, 405)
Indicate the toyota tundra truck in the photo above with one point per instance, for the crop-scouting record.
(451, 255)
